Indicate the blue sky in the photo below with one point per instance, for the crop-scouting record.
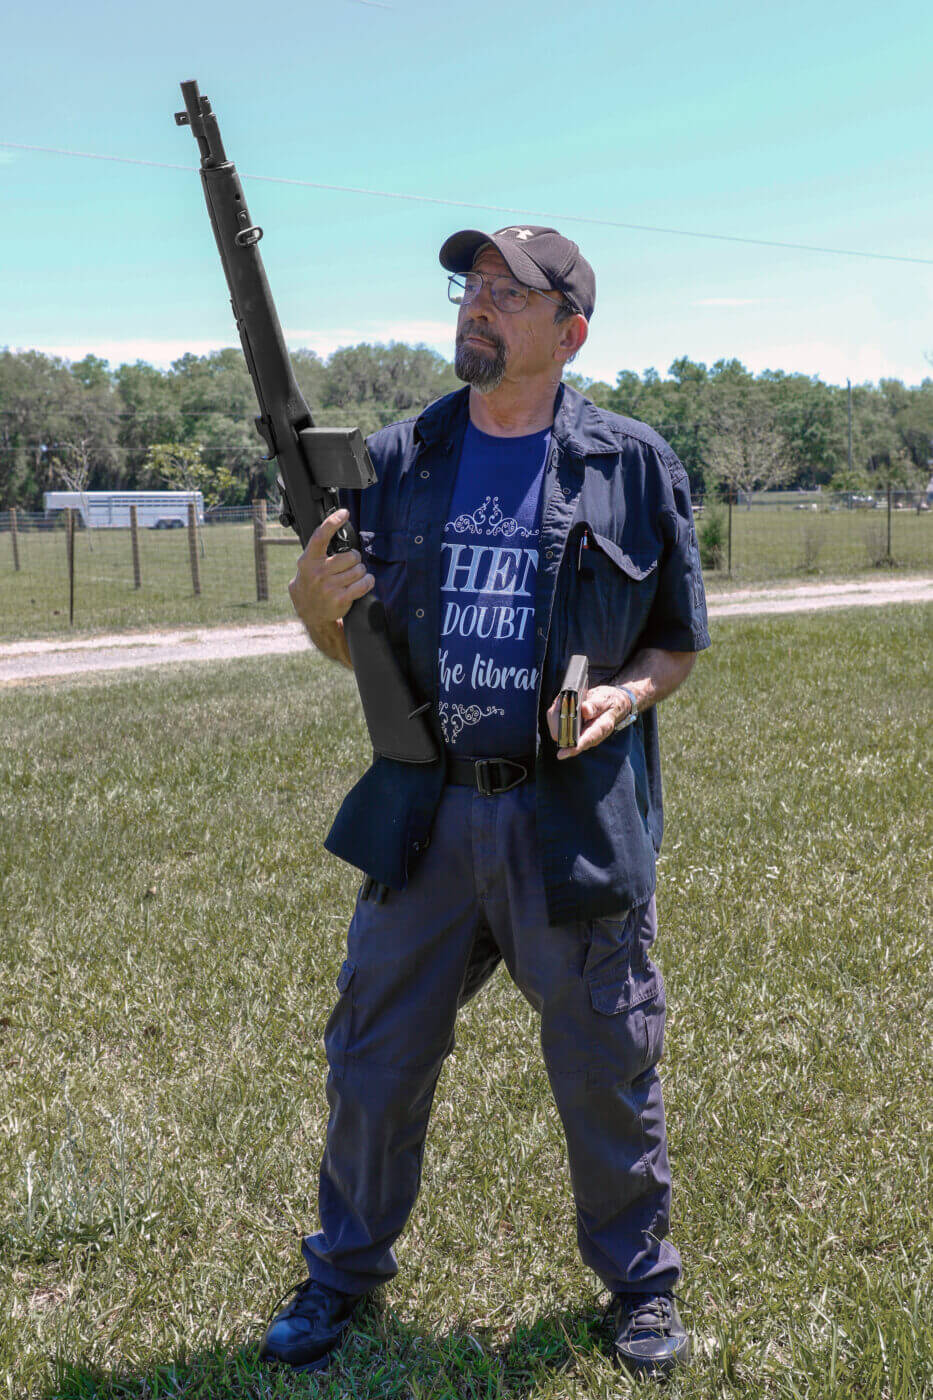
(805, 123)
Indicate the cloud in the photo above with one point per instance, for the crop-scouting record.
(118, 352)
(862, 362)
(161, 352)
(835, 363)
(438, 334)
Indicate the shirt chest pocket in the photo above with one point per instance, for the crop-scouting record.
(385, 555)
(611, 592)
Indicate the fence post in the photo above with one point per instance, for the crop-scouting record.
(193, 549)
(731, 494)
(15, 538)
(259, 549)
(134, 539)
(889, 522)
(70, 550)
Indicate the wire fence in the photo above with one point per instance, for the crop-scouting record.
(224, 570)
(786, 534)
(229, 570)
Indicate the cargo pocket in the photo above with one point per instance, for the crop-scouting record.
(337, 1030)
(613, 593)
(626, 988)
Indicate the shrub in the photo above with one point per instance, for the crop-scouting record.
(712, 533)
(813, 541)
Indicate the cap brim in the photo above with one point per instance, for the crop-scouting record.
(459, 252)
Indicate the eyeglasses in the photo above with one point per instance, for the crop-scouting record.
(507, 294)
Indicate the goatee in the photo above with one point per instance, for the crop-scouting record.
(482, 370)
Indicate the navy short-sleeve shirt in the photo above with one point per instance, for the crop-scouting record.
(618, 570)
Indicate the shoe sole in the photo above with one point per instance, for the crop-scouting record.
(659, 1370)
(322, 1364)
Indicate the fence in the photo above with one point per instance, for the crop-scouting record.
(228, 570)
(222, 571)
(773, 535)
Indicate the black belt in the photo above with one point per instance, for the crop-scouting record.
(490, 775)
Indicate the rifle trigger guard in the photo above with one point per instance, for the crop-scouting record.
(248, 236)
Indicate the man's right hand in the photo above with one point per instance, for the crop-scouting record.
(325, 585)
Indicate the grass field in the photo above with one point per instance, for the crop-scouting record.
(34, 601)
(172, 932)
(767, 544)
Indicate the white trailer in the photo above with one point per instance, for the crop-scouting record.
(105, 510)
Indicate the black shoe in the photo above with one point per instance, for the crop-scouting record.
(304, 1334)
(649, 1337)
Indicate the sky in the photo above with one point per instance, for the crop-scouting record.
(799, 123)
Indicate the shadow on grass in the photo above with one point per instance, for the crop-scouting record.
(383, 1358)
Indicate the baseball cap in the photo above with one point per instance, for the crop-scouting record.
(539, 257)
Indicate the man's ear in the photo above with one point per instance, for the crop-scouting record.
(573, 333)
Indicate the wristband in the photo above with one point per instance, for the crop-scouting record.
(632, 715)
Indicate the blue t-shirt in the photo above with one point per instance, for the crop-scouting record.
(489, 565)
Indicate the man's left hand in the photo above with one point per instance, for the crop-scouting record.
(600, 712)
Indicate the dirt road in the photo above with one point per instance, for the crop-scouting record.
(22, 662)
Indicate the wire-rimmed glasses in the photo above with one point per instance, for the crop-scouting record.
(507, 294)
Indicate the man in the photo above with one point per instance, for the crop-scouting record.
(513, 525)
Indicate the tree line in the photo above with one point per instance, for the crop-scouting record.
(86, 426)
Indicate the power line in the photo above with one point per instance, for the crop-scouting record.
(492, 208)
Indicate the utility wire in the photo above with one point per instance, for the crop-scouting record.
(493, 208)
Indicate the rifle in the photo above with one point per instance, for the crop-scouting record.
(313, 462)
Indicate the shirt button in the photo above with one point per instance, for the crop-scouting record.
(540, 631)
(549, 553)
(419, 539)
(420, 612)
(425, 475)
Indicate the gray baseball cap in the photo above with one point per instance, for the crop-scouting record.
(538, 257)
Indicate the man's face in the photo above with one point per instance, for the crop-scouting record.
(493, 345)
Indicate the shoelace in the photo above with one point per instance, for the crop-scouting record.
(297, 1289)
(648, 1314)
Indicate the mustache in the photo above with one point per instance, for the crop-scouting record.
(472, 328)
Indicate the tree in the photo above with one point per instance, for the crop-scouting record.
(85, 452)
(385, 381)
(812, 418)
(32, 389)
(911, 416)
(597, 390)
(180, 466)
(149, 412)
(748, 449)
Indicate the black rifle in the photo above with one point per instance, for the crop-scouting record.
(313, 462)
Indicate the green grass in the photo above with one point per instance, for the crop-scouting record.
(774, 542)
(172, 931)
(34, 600)
(767, 544)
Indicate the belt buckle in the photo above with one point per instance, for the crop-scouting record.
(484, 785)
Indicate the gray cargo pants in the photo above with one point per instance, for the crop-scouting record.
(477, 897)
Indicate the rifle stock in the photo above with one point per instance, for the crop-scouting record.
(313, 462)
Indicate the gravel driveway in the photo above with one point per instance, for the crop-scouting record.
(62, 656)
